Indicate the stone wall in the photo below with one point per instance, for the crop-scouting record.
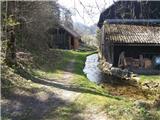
(118, 73)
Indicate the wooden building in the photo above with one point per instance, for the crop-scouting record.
(65, 38)
(139, 45)
(130, 35)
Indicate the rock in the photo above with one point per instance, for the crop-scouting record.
(145, 85)
(151, 84)
(107, 71)
(157, 102)
(142, 104)
(137, 79)
(119, 72)
(156, 85)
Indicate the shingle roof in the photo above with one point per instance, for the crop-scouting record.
(118, 33)
(70, 31)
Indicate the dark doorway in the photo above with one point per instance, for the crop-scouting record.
(72, 43)
(135, 51)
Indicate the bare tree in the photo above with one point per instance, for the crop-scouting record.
(25, 25)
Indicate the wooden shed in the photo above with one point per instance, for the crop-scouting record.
(130, 35)
(139, 43)
(65, 38)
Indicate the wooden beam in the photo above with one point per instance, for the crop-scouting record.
(64, 33)
(135, 44)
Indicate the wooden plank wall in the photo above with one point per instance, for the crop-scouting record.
(107, 48)
(76, 43)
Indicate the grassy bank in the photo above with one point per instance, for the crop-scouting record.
(95, 97)
(115, 106)
(92, 97)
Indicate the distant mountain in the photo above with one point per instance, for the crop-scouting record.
(84, 29)
(93, 28)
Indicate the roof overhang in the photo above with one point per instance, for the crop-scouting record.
(133, 21)
(70, 31)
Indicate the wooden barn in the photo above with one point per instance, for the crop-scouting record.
(138, 45)
(65, 38)
(130, 35)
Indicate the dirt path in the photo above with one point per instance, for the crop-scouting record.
(35, 104)
(67, 77)
(71, 96)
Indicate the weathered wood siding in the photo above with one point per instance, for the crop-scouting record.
(76, 43)
(63, 40)
(107, 47)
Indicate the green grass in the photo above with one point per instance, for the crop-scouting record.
(51, 66)
(155, 78)
(68, 112)
(54, 66)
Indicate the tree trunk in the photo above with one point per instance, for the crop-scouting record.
(11, 49)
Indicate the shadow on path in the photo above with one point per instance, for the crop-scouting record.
(72, 88)
(63, 86)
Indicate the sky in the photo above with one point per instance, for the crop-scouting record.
(86, 11)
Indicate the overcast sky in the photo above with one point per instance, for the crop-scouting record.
(86, 11)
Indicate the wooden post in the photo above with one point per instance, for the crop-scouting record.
(102, 41)
(112, 53)
(57, 36)
(65, 41)
(51, 43)
(69, 38)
